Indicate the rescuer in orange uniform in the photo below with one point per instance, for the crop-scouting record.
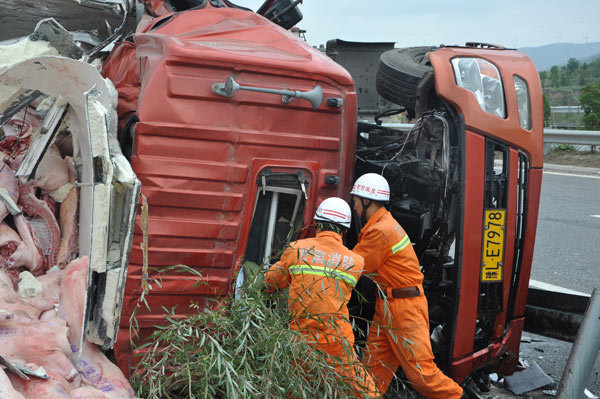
(390, 258)
(321, 273)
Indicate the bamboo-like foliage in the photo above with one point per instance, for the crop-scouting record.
(242, 348)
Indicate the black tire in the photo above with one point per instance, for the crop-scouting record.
(400, 71)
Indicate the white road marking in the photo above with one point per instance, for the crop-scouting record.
(595, 216)
(571, 174)
(549, 287)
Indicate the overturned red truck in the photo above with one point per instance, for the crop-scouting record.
(237, 129)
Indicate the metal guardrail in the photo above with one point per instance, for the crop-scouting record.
(577, 137)
(551, 136)
(567, 109)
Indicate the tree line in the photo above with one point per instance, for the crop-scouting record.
(572, 74)
(574, 84)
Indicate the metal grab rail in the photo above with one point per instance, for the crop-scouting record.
(230, 86)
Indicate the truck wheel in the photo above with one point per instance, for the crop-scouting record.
(400, 71)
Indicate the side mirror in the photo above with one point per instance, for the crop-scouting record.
(284, 13)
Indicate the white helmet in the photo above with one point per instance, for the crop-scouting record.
(334, 210)
(371, 186)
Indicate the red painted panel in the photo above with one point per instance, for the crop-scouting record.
(200, 87)
(182, 284)
(509, 352)
(533, 202)
(188, 256)
(463, 367)
(163, 166)
(505, 343)
(183, 130)
(297, 141)
(499, 354)
(176, 198)
(122, 68)
(509, 239)
(166, 227)
(155, 145)
(198, 154)
(163, 241)
(471, 244)
(226, 36)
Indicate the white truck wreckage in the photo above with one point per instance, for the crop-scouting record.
(67, 194)
(68, 203)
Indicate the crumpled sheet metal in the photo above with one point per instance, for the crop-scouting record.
(235, 37)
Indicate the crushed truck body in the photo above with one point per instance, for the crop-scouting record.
(223, 131)
(234, 129)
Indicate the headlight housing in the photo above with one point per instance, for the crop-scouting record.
(482, 79)
(523, 102)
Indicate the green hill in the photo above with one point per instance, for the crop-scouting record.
(545, 57)
(562, 84)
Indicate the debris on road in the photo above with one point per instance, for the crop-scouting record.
(533, 377)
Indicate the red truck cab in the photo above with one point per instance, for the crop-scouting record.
(226, 177)
(233, 169)
(501, 181)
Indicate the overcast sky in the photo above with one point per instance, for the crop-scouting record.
(511, 23)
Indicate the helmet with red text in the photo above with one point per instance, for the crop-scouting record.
(372, 186)
(334, 210)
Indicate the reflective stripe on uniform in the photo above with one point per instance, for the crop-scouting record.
(400, 245)
(323, 271)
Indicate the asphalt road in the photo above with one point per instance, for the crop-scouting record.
(567, 250)
(567, 254)
(551, 355)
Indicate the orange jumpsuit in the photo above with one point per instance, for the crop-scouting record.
(321, 273)
(390, 257)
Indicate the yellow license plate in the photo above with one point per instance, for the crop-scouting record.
(492, 257)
